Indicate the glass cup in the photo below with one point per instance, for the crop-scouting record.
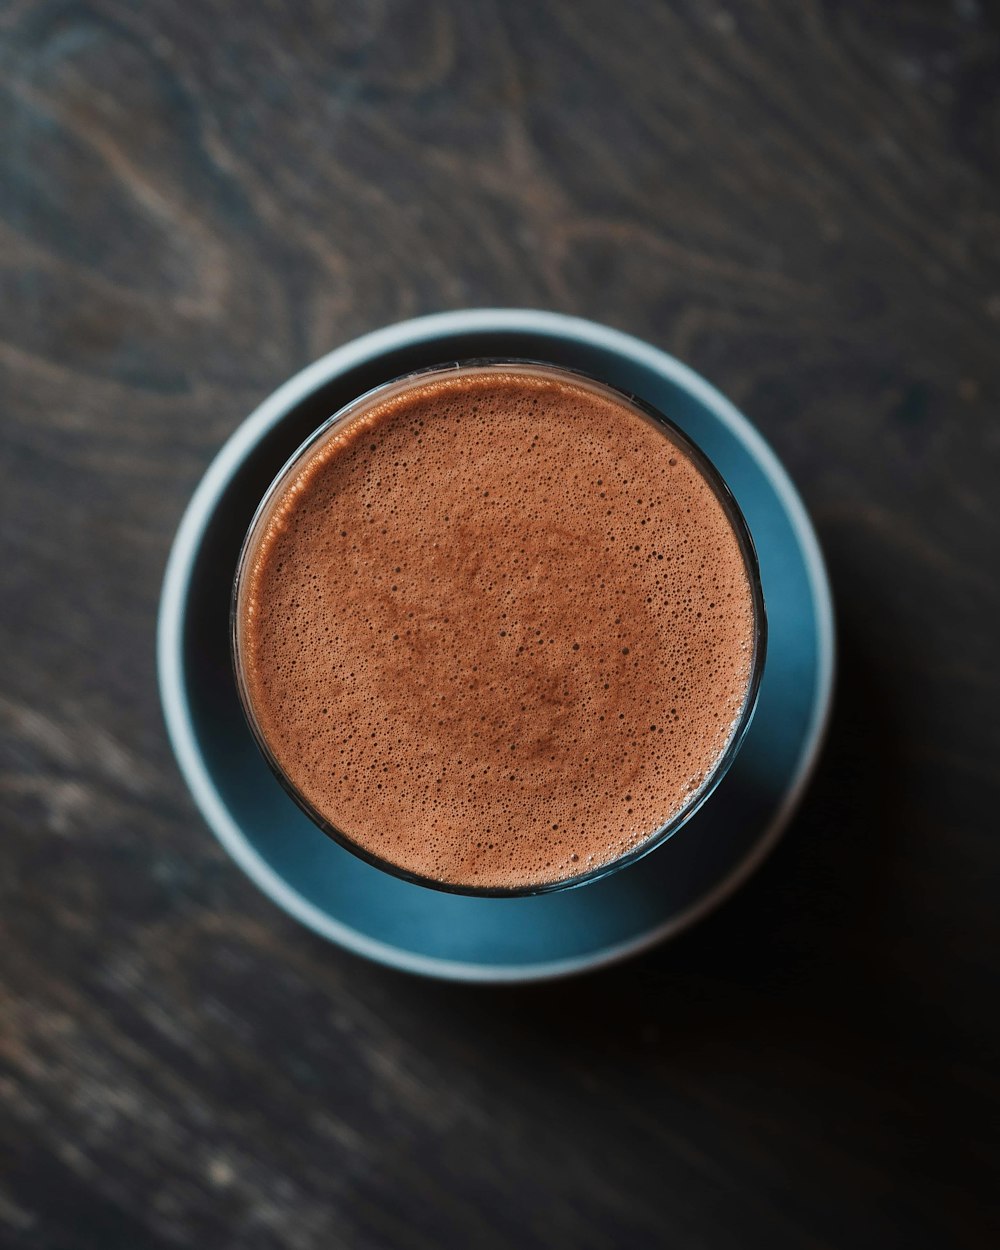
(362, 404)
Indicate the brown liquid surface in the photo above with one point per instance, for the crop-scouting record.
(497, 629)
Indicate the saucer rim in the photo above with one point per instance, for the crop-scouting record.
(177, 579)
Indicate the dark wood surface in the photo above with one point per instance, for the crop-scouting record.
(800, 199)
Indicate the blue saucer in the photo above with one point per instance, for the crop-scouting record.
(486, 939)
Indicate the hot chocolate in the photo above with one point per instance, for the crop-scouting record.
(495, 626)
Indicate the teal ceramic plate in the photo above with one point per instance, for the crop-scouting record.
(490, 939)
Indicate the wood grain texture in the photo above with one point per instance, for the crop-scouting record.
(802, 199)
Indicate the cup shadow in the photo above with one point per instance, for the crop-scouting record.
(791, 938)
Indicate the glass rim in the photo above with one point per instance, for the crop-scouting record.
(734, 516)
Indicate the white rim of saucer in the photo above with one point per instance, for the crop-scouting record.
(177, 579)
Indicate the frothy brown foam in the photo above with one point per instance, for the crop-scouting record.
(496, 628)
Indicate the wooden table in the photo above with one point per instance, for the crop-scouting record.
(800, 199)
